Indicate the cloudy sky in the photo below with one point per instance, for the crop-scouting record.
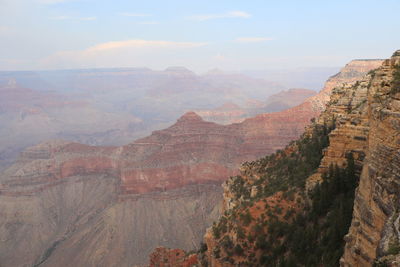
(199, 34)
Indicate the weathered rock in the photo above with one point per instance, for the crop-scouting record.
(373, 235)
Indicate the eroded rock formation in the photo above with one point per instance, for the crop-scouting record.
(374, 232)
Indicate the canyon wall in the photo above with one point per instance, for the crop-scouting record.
(374, 232)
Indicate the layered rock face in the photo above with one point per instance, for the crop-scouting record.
(191, 151)
(352, 72)
(374, 232)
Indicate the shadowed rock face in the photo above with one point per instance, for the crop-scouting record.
(66, 203)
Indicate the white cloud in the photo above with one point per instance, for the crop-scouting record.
(73, 18)
(140, 44)
(127, 14)
(253, 39)
(117, 53)
(230, 14)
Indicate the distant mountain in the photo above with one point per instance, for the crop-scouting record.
(108, 106)
(230, 112)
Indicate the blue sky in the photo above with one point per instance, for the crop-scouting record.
(199, 34)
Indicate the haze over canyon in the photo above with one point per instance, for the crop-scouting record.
(112, 205)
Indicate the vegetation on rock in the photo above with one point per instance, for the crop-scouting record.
(275, 221)
(396, 80)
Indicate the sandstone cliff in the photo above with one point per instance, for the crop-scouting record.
(374, 232)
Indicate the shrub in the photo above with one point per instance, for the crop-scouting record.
(394, 249)
(396, 80)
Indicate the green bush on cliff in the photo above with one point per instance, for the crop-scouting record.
(281, 171)
(319, 227)
(246, 218)
(396, 80)
(394, 248)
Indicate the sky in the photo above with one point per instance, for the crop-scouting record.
(232, 35)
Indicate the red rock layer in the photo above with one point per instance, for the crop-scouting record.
(191, 151)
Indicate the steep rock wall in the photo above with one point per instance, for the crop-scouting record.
(373, 234)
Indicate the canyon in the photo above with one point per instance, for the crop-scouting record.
(64, 203)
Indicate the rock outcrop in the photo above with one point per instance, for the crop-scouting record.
(374, 232)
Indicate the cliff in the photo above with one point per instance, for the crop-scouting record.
(373, 235)
(295, 207)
